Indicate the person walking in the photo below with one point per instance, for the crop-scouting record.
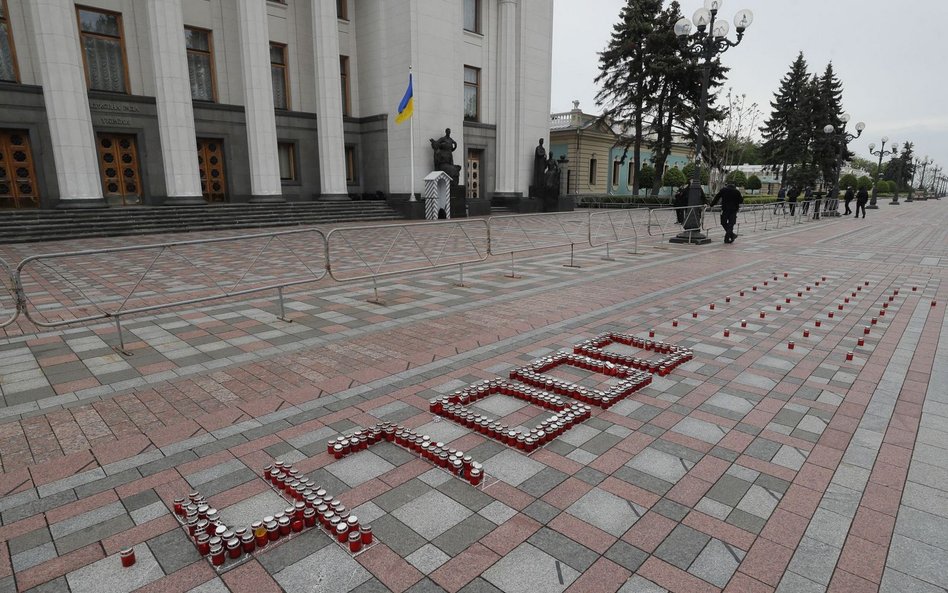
(862, 198)
(792, 196)
(681, 200)
(781, 200)
(807, 198)
(731, 200)
(850, 195)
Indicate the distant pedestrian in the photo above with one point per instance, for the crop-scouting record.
(862, 198)
(849, 197)
(781, 200)
(731, 200)
(807, 198)
(792, 196)
(681, 200)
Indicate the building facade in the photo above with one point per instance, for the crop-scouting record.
(594, 152)
(126, 102)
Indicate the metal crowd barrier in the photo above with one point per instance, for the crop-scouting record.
(666, 220)
(609, 227)
(9, 297)
(517, 233)
(109, 283)
(386, 250)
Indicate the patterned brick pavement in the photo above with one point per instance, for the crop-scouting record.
(753, 467)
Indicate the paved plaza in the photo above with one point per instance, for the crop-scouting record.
(754, 467)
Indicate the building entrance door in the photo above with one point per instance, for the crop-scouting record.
(118, 164)
(210, 153)
(17, 175)
(473, 177)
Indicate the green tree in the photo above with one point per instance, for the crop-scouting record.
(864, 182)
(827, 110)
(862, 164)
(674, 178)
(624, 84)
(738, 178)
(786, 132)
(646, 175)
(753, 183)
(848, 180)
(689, 171)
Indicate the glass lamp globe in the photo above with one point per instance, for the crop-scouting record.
(702, 18)
(860, 126)
(872, 146)
(713, 4)
(743, 19)
(845, 118)
(895, 144)
(683, 27)
(885, 139)
(721, 29)
(828, 129)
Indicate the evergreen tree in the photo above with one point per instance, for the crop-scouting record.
(783, 144)
(625, 86)
(828, 110)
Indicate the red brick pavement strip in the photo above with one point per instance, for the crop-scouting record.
(604, 576)
(464, 568)
(389, 568)
(57, 567)
(182, 580)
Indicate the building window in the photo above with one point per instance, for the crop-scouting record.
(8, 67)
(592, 171)
(344, 79)
(472, 16)
(472, 91)
(103, 50)
(616, 169)
(342, 9)
(631, 177)
(200, 64)
(280, 76)
(286, 153)
(351, 178)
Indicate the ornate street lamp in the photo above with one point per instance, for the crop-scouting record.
(935, 177)
(911, 191)
(925, 162)
(882, 152)
(842, 138)
(704, 43)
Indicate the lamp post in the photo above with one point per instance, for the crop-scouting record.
(911, 190)
(925, 162)
(842, 138)
(709, 40)
(882, 152)
(935, 173)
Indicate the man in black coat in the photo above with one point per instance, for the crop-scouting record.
(850, 195)
(862, 198)
(731, 200)
(792, 196)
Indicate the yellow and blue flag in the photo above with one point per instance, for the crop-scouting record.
(407, 106)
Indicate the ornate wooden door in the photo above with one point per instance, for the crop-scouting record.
(473, 174)
(211, 164)
(17, 174)
(118, 163)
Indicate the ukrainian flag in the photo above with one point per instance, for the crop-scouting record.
(407, 106)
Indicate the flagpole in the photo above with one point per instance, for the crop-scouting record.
(411, 127)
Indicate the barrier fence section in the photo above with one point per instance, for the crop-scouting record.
(81, 286)
(663, 222)
(372, 252)
(9, 297)
(517, 233)
(609, 227)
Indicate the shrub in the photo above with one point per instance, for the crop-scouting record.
(674, 178)
(738, 178)
(753, 183)
(864, 183)
(848, 180)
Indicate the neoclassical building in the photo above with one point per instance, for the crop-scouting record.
(126, 102)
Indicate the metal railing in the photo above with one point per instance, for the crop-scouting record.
(386, 250)
(671, 221)
(518, 233)
(9, 295)
(113, 282)
(609, 227)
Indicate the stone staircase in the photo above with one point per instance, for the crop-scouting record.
(23, 226)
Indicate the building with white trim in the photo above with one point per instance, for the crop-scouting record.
(153, 102)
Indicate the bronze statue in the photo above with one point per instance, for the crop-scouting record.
(552, 180)
(444, 148)
(539, 167)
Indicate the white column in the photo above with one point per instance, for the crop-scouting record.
(173, 94)
(258, 101)
(507, 90)
(329, 128)
(67, 102)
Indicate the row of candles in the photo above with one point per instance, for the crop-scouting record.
(675, 355)
(538, 397)
(451, 460)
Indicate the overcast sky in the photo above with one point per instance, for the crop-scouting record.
(890, 56)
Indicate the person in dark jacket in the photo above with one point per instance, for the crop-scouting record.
(792, 196)
(807, 199)
(849, 197)
(681, 200)
(731, 200)
(862, 198)
(781, 200)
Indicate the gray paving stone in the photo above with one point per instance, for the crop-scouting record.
(29, 541)
(660, 465)
(601, 443)
(699, 429)
(142, 499)
(716, 563)
(917, 559)
(109, 576)
(626, 555)
(829, 527)
(729, 490)
(512, 467)
(464, 493)
(427, 558)
(606, 511)
(425, 585)
(93, 533)
(643, 480)
(746, 521)
(894, 581)
(359, 468)
(431, 514)
(543, 481)
(215, 585)
(394, 454)
(563, 548)
(682, 546)
(32, 557)
(497, 512)
(328, 569)
(150, 512)
(763, 449)
(400, 495)
(107, 483)
(922, 526)
(58, 585)
(814, 559)
(758, 502)
(794, 583)
(541, 512)
(590, 476)
(479, 585)
(530, 570)
(461, 536)
(671, 509)
(396, 535)
(372, 585)
(637, 584)
(291, 552)
(173, 550)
